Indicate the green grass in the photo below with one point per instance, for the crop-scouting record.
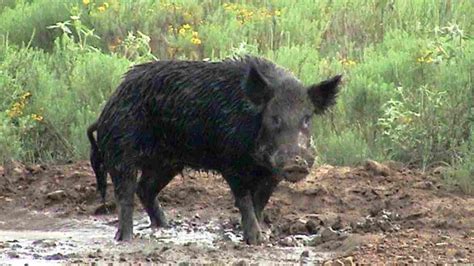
(407, 66)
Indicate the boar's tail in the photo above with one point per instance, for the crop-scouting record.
(97, 162)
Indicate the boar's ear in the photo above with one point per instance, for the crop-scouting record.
(323, 94)
(256, 87)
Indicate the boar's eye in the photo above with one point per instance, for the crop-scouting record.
(276, 121)
(306, 121)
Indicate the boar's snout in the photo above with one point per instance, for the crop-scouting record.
(293, 163)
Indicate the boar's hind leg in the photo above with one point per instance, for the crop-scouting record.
(243, 201)
(152, 181)
(124, 185)
(261, 194)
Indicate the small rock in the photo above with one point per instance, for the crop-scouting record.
(34, 169)
(428, 185)
(337, 223)
(18, 170)
(57, 256)
(460, 254)
(331, 220)
(241, 263)
(13, 255)
(439, 170)
(288, 241)
(414, 215)
(76, 175)
(377, 208)
(380, 248)
(319, 191)
(327, 234)
(304, 254)
(347, 261)
(108, 207)
(16, 246)
(56, 195)
(43, 243)
(297, 227)
(229, 236)
(377, 168)
(444, 237)
(313, 226)
(165, 248)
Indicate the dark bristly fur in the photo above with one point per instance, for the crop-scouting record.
(246, 118)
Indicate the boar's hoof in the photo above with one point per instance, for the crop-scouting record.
(122, 236)
(253, 236)
(159, 224)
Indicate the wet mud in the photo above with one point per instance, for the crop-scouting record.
(51, 214)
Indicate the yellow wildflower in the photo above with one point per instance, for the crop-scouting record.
(37, 117)
(26, 95)
(86, 2)
(106, 5)
(195, 34)
(425, 59)
(186, 26)
(16, 109)
(405, 120)
(228, 6)
(348, 62)
(182, 31)
(195, 41)
(170, 28)
(187, 16)
(277, 13)
(101, 8)
(11, 113)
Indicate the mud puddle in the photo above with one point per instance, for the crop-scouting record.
(80, 240)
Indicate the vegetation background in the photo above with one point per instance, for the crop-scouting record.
(408, 67)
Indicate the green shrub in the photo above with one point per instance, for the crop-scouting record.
(27, 22)
(345, 148)
(407, 67)
(461, 173)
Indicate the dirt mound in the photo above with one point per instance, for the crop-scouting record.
(375, 212)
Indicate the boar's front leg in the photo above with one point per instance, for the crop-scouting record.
(244, 202)
(250, 225)
(261, 194)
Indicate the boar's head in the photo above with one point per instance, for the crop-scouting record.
(287, 106)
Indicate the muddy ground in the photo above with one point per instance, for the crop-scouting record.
(367, 214)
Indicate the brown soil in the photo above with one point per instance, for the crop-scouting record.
(367, 214)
